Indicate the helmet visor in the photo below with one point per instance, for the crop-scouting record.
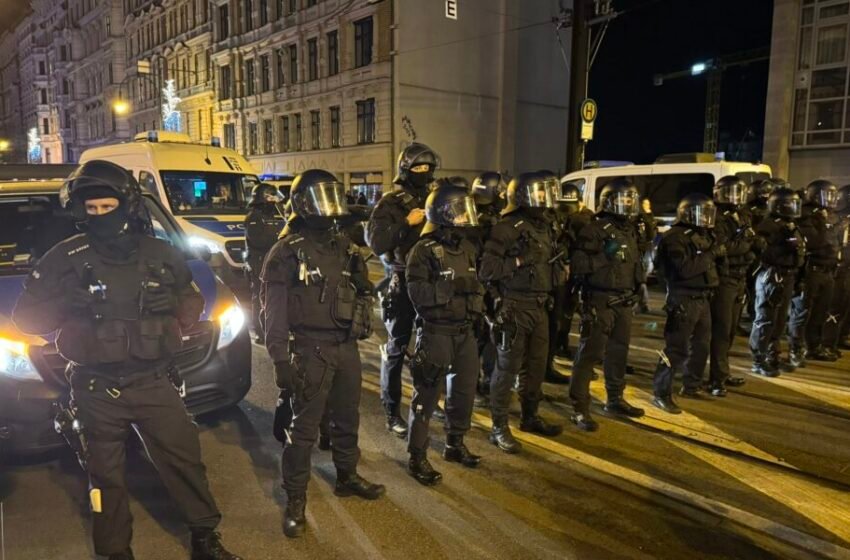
(462, 213)
(538, 194)
(829, 198)
(625, 203)
(787, 207)
(731, 194)
(703, 215)
(327, 200)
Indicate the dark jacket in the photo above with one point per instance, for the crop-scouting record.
(262, 228)
(734, 230)
(821, 238)
(784, 243)
(607, 257)
(687, 258)
(388, 233)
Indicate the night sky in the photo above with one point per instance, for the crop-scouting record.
(638, 121)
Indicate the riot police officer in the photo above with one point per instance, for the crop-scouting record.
(448, 298)
(517, 261)
(488, 192)
(809, 309)
(734, 230)
(607, 266)
(756, 208)
(393, 229)
(687, 257)
(262, 226)
(316, 305)
(578, 215)
(838, 319)
(783, 255)
(118, 299)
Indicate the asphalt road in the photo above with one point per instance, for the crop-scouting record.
(764, 473)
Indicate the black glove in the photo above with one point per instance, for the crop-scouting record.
(284, 375)
(719, 250)
(158, 301)
(80, 299)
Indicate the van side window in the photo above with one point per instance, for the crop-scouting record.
(147, 182)
(578, 183)
(664, 190)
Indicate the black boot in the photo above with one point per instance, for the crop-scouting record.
(584, 421)
(620, 407)
(396, 424)
(439, 414)
(126, 555)
(420, 468)
(294, 520)
(765, 368)
(456, 452)
(206, 545)
(667, 404)
(717, 389)
(693, 393)
(734, 381)
(352, 484)
(502, 437)
(797, 357)
(532, 422)
(821, 354)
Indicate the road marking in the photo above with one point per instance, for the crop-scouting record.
(742, 517)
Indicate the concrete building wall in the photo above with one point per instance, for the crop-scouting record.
(11, 115)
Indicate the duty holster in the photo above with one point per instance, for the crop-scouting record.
(67, 425)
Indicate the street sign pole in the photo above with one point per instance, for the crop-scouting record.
(578, 83)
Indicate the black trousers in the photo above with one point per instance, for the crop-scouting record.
(687, 336)
(726, 307)
(605, 332)
(150, 402)
(449, 357)
(838, 318)
(558, 340)
(399, 324)
(253, 273)
(774, 289)
(329, 374)
(486, 353)
(524, 353)
(810, 309)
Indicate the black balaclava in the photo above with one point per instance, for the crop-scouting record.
(421, 180)
(110, 233)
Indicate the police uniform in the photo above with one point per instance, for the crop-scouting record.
(118, 302)
(608, 268)
(687, 258)
(560, 294)
(262, 227)
(783, 256)
(316, 305)
(838, 318)
(574, 224)
(733, 230)
(391, 237)
(488, 217)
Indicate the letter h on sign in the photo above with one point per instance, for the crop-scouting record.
(451, 9)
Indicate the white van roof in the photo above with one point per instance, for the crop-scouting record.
(171, 151)
(716, 168)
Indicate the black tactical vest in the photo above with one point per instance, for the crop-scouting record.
(446, 264)
(623, 271)
(533, 245)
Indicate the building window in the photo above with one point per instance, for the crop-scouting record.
(249, 76)
(333, 53)
(293, 64)
(264, 12)
(313, 59)
(284, 134)
(66, 88)
(279, 8)
(265, 73)
(362, 42)
(42, 68)
(45, 126)
(43, 96)
(280, 58)
(252, 139)
(63, 53)
(299, 137)
(316, 129)
(366, 121)
(335, 127)
(230, 136)
(832, 44)
(224, 86)
(293, 6)
(310, 3)
(223, 22)
(268, 136)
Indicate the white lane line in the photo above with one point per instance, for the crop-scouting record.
(824, 506)
(742, 517)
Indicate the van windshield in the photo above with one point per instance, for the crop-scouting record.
(204, 192)
(665, 191)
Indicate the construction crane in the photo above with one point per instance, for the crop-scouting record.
(713, 70)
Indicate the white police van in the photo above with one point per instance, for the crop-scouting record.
(205, 187)
(666, 181)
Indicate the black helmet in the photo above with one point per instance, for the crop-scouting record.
(785, 203)
(102, 179)
(730, 190)
(570, 192)
(620, 197)
(843, 206)
(259, 193)
(530, 190)
(488, 188)
(780, 183)
(413, 155)
(552, 180)
(317, 193)
(760, 190)
(822, 193)
(696, 210)
(450, 205)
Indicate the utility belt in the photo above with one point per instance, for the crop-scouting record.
(322, 335)
(94, 379)
(612, 298)
(692, 294)
(524, 301)
(443, 329)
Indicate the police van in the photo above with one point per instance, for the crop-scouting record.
(205, 187)
(666, 181)
(214, 360)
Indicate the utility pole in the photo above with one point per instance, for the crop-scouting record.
(579, 65)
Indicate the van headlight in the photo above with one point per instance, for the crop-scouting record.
(231, 323)
(15, 361)
(199, 242)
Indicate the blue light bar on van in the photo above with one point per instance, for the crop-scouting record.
(215, 141)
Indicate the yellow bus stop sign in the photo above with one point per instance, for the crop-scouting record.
(589, 110)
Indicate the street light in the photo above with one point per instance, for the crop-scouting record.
(5, 145)
(121, 107)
